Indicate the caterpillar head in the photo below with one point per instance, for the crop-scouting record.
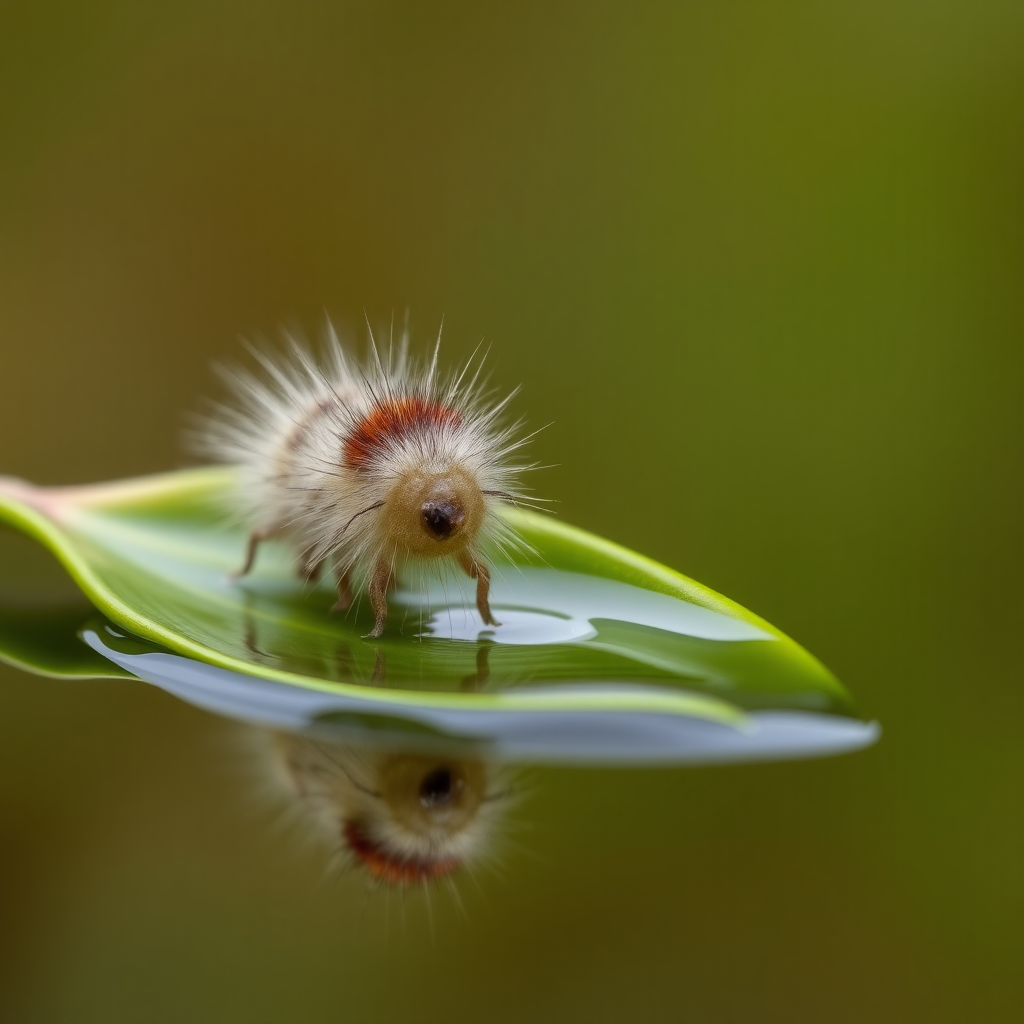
(426, 821)
(434, 513)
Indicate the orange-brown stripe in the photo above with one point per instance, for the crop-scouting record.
(393, 419)
(393, 869)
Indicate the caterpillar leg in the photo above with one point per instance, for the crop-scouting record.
(255, 538)
(344, 584)
(380, 578)
(478, 680)
(476, 570)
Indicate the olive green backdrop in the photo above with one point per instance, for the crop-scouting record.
(760, 267)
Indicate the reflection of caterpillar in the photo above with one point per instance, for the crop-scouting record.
(366, 468)
(405, 818)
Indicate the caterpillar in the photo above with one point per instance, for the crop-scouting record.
(369, 466)
(403, 818)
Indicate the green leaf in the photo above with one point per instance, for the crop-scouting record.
(591, 627)
(46, 642)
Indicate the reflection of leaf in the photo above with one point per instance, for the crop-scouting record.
(45, 641)
(154, 555)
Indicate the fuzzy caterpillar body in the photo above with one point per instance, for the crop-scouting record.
(405, 818)
(368, 467)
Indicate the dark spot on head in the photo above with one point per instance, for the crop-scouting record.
(437, 787)
(442, 518)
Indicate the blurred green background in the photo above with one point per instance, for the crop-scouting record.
(760, 265)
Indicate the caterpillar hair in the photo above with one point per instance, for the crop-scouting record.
(405, 819)
(368, 467)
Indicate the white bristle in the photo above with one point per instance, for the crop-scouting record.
(366, 467)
